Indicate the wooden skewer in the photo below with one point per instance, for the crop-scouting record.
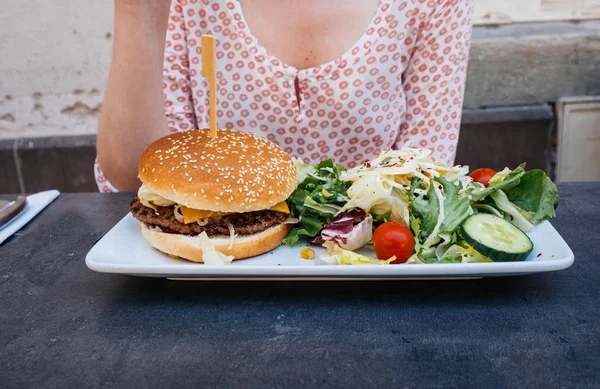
(209, 70)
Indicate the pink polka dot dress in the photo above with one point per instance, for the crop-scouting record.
(403, 80)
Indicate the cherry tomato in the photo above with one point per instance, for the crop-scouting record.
(483, 175)
(393, 239)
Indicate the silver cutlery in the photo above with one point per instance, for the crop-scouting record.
(9, 210)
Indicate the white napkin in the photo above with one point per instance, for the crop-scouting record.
(35, 204)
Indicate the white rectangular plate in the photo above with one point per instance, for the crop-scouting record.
(123, 250)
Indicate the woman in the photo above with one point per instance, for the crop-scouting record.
(341, 78)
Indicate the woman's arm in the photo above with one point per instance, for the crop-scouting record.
(133, 111)
(434, 81)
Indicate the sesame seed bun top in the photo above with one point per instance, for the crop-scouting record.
(235, 172)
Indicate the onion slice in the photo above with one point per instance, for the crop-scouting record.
(232, 234)
(177, 214)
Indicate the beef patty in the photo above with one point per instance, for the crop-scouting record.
(243, 223)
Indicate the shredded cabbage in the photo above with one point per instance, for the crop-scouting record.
(373, 193)
(455, 253)
(457, 173)
(379, 186)
(210, 255)
(335, 255)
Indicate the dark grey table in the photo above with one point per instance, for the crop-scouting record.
(62, 325)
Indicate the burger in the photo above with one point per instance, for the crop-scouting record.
(231, 189)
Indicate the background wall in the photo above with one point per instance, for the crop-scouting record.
(54, 59)
(55, 54)
(507, 11)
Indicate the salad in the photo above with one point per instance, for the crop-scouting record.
(406, 208)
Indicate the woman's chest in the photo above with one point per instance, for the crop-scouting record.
(350, 105)
(307, 33)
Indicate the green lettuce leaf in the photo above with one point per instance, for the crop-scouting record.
(415, 226)
(536, 193)
(456, 207)
(427, 210)
(500, 176)
(510, 181)
(293, 237)
(322, 207)
(381, 217)
(319, 196)
(309, 226)
(303, 169)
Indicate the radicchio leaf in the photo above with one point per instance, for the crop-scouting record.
(317, 240)
(350, 230)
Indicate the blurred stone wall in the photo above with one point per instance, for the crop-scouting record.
(54, 60)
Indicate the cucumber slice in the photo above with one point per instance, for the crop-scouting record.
(496, 238)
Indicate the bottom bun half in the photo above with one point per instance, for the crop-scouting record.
(189, 247)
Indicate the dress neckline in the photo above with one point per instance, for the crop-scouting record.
(322, 71)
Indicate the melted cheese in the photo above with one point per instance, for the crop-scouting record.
(280, 207)
(191, 215)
